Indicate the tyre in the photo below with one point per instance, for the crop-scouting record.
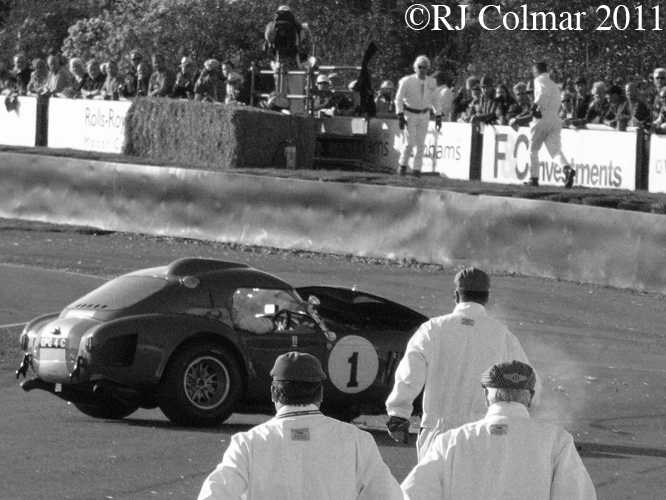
(200, 386)
(106, 408)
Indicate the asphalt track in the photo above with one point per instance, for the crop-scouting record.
(600, 352)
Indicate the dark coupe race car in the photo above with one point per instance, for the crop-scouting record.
(198, 338)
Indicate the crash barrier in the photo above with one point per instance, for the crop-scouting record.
(221, 137)
(535, 238)
(657, 165)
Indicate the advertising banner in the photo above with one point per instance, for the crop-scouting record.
(602, 159)
(18, 122)
(448, 151)
(657, 168)
(89, 125)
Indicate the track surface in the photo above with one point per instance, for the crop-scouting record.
(600, 352)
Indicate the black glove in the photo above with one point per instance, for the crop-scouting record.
(438, 122)
(402, 122)
(398, 429)
(536, 113)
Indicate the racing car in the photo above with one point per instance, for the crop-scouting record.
(198, 339)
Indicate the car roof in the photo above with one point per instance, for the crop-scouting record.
(235, 274)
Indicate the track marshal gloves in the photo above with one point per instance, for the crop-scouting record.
(398, 429)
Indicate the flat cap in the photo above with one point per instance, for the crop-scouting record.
(299, 367)
(472, 279)
(509, 375)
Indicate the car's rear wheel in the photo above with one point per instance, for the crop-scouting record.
(106, 408)
(200, 386)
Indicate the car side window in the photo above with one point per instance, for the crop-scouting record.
(253, 309)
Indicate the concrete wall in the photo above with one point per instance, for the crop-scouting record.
(537, 238)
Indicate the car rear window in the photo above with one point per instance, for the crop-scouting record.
(120, 293)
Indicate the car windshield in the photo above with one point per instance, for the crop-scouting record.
(120, 293)
(260, 302)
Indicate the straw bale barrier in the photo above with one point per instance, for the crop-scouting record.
(216, 136)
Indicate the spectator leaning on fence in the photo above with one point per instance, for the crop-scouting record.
(520, 112)
(659, 79)
(185, 79)
(209, 85)
(38, 79)
(58, 78)
(21, 73)
(95, 82)
(636, 108)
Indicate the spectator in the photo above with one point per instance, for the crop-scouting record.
(417, 94)
(21, 74)
(144, 73)
(520, 112)
(209, 85)
(38, 78)
(486, 109)
(504, 455)
(566, 109)
(445, 95)
(233, 88)
(185, 80)
(301, 454)
(59, 77)
(660, 123)
(444, 358)
(79, 77)
(659, 78)
(547, 129)
(474, 105)
(599, 105)
(504, 103)
(114, 82)
(580, 103)
(384, 101)
(131, 75)
(636, 108)
(163, 78)
(615, 117)
(328, 102)
(463, 99)
(95, 82)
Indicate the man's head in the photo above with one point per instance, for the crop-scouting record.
(323, 82)
(76, 66)
(20, 62)
(615, 94)
(509, 381)
(487, 87)
(227, 67)
(475, 90)
(93, 68)
(421, 66)
(659, 77)
(472, 285)
(471, 82)
(111, 68)
(520, 91)
(143, 70)
(159, 63)
(632, 92)
(387, 88)
(135, 58)
(186, 65)
(297, 380)
(539, 68)
(53, 63)
(581, 85)
(599, 91)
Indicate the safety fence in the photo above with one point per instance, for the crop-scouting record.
(603, 158)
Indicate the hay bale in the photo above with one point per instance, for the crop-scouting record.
(215, 135)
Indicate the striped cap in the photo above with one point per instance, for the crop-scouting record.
(509, 375)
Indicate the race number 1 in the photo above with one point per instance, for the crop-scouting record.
(353, 364)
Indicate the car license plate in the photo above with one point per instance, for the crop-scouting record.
(53, 343)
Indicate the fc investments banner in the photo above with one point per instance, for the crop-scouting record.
(602, 159)
(90, 125)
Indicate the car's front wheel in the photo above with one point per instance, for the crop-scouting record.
(200, 386)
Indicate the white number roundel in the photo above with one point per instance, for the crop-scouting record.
(353, 364)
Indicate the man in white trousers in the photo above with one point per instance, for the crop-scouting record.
(300, 454)
(417, 95)
(506, 455)
(546, 128)
(445, 358)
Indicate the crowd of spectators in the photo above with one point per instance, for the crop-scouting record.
(480, 100)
